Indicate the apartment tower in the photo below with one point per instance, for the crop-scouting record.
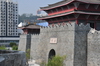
(8, 21)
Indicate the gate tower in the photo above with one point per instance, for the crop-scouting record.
(68, 33)
(81, 11)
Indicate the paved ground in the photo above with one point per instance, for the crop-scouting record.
(32, 63)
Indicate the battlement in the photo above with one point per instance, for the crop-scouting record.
(93, 35)
(35, 34)
(65, 26)
(81, 26)
(94, 31)
(59, 25)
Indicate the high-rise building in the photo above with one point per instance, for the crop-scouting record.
(8, 20)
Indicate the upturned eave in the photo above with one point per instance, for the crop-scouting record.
(67, 13)
(66, 2)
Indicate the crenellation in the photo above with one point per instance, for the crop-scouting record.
(35, 34)
(93, 47)
(82, 27)
(93, 31)
(68, 26)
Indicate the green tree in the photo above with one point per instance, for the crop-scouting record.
(12, 44)
(27, 17)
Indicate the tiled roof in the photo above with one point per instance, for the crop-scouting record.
(31, 26)
(91, 1)
(64, 2)
(56, 4)
(67, 13)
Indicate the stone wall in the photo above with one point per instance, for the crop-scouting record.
(80, 45)
(71, 41)
(12, 58)
(41, 46)
(93, 55)
(24, 42)
(35, 46)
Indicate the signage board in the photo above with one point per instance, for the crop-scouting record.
(53, 40)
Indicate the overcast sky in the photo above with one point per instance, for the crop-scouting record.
(31, 6)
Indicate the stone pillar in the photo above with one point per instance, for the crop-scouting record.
(25, 42)
(80, 45)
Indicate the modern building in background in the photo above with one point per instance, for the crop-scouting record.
(8, 22)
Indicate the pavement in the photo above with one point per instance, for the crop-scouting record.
(32, 63)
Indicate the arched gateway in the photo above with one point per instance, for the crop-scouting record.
(51, 54)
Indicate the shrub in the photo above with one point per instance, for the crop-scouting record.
(15, 47)
(56, 61)
(42, 64)
(28, 54)
(12, 44)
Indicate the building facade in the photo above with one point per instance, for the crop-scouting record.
(8, 20)
(73, 31)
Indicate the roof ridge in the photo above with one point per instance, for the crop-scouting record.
(64, 2)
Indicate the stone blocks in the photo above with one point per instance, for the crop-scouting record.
(12, 58)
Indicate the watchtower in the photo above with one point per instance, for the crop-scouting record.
(79, 16)
(80, 11)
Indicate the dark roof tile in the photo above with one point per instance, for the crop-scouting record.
(31, 26)
(67, 1)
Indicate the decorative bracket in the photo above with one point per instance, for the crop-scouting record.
(87, 16)
(96, 17)
(76, 4)
(96, 6)
(77, 15)
(68, 7)
(87, 6)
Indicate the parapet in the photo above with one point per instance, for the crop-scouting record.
(65, 26)
(82, 27)
(35, 36)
